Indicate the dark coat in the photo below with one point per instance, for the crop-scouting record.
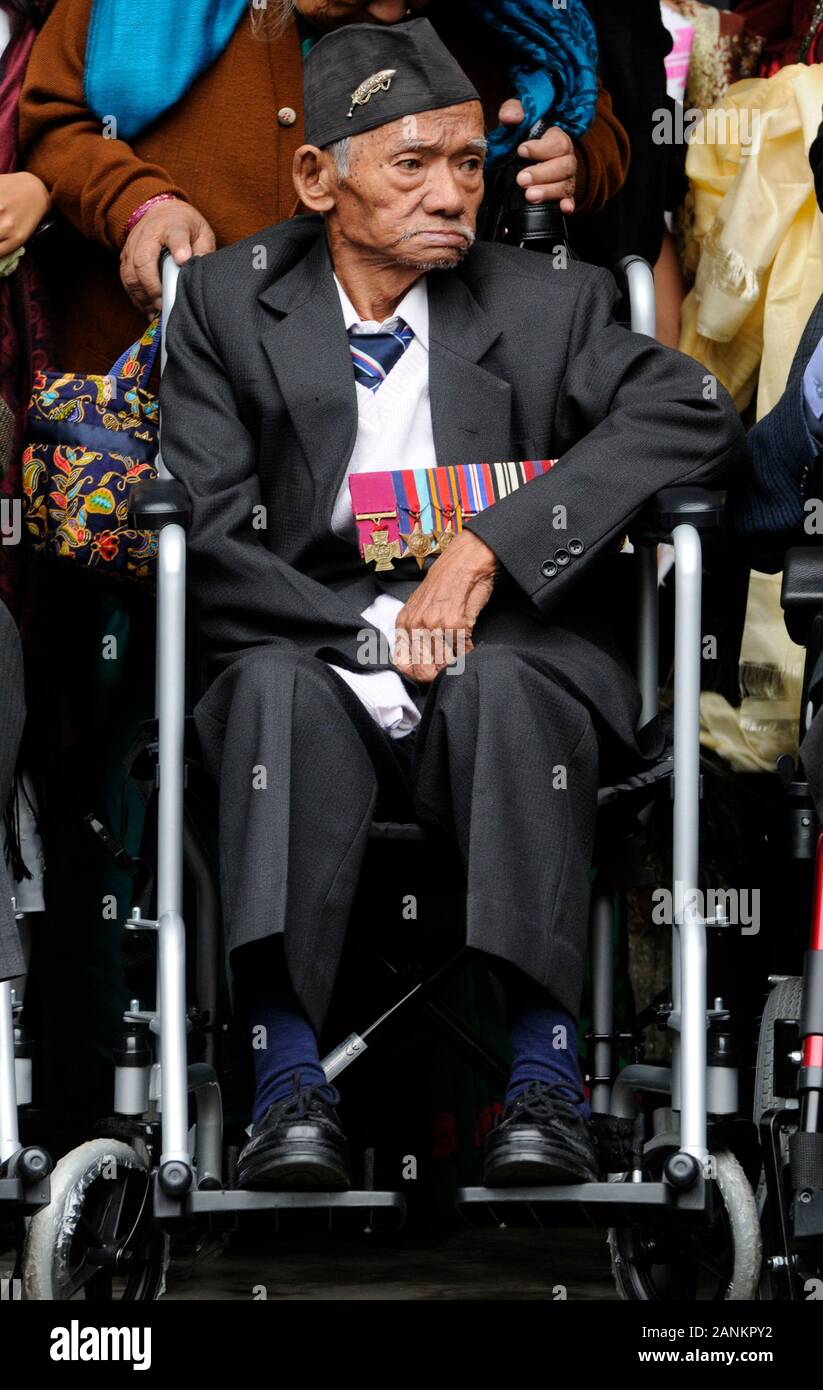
(766, 507)
(632, 45)
(259, 410)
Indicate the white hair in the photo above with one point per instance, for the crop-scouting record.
(340, 152)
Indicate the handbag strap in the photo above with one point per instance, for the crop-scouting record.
(136, 363)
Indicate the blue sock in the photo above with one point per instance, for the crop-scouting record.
(544, 1043)
(283, 1041)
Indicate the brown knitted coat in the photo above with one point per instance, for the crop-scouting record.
(226, 147)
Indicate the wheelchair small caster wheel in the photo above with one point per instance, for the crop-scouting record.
(681, 1170)
(174, 1178)
(687, 1262)
(33, 1164)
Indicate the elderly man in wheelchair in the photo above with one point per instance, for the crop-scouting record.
(386, 620)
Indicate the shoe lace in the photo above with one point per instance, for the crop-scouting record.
(542, 1101)
(304, 1100)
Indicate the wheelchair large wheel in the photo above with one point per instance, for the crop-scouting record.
(783, 1002)
(680, 1264)
(97, 1238)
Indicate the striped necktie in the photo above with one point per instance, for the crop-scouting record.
(374, 354)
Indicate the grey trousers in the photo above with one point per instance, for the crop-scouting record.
(505, 759)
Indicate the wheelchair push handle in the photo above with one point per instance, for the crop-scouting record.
(539, 222)
(507, 216)
(161, 501)
(169, 273)
(637, 275)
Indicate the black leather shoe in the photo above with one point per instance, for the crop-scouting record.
(298, 1145)
(542, 1139)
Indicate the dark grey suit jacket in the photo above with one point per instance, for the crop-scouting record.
(259, 408)
(766, 507)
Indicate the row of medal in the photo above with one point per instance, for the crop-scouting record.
(383, 552)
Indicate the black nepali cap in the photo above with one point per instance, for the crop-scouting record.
(365, 75)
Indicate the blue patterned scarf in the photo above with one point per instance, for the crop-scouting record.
(552, 58)
(137, 68)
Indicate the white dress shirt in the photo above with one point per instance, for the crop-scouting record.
(394, 430)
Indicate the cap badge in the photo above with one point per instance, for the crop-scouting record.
(378, 82)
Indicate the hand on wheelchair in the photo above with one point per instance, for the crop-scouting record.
(173, 224)
(434, 628)
(552, 173)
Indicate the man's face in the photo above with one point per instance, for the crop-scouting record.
(330, 14)
(414, 187)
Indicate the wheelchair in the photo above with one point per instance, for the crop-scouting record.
(681, 1195)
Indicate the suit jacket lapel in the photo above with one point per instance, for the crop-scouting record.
(471, 407)
(306, 342)
(308, 348)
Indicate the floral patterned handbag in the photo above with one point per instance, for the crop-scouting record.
(89, 440)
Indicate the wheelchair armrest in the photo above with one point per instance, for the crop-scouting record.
(677, 506)
(157, 503)
(801, 594)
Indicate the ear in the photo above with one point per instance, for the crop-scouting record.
(314, 178)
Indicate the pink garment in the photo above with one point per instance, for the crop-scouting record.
(677, 62)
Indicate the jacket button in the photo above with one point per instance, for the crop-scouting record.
(549, 568)
(562, 557)
(287, 115)
(576, 546)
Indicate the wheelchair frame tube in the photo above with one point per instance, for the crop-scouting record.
(207, 944)
(169, 271)
(170, 709)
(171, 622)
(638, 1076)
(647, 660)
(9, 1133)
(602, 915)
(689, 929)
(204, 1086)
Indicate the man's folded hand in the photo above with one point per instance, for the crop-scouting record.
(434, 628)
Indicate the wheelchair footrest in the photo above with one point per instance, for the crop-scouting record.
(333, 1211)
(596, 1204)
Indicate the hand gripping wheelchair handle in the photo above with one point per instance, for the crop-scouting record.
(506, 215)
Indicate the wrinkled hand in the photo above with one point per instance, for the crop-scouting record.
(553, 175)
(24, 203)
(436, 624)
(174, 224)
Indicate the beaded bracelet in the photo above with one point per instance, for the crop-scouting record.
(144, 207)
